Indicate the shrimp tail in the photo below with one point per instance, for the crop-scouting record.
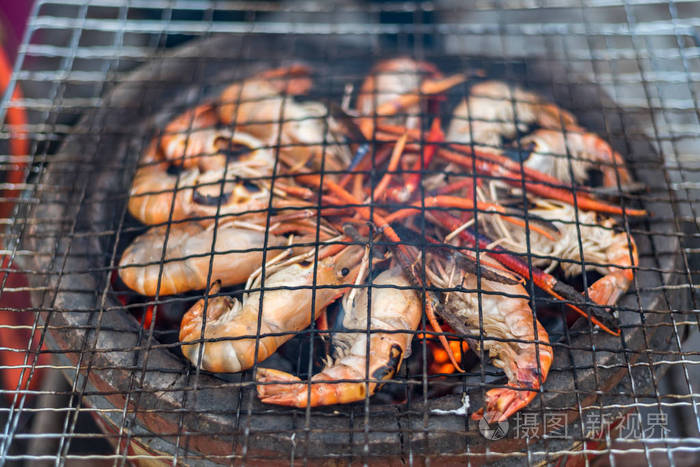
(192, 324)
(278, 387)
(502, 403)
(608, 289)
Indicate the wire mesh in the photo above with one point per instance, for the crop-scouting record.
(101, 380)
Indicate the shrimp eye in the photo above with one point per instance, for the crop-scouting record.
(344, 272)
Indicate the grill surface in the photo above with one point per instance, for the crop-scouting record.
(626, 71)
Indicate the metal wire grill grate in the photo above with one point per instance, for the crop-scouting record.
(628, 70)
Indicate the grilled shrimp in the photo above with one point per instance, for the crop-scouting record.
(192, 140)
(284, 312)
(304, 132)
(613, 254)
(391, 79)
(153, 192)
(587, 150)
(495, 110)
(392, 310)
(516, 342)
(185, 263)
(490, 114)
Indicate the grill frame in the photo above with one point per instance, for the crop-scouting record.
(683, 26)
(382, 439)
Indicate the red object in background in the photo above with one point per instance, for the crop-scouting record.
(16, 331)
(19, 145)
(13, 22)
(16, 334)
(438, 360)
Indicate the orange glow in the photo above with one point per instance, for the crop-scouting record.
(147, 317)
(438, 360)
(440, 356)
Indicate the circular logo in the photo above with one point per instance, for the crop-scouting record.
(493, 431)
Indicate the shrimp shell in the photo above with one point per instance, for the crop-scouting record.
(286, 309)
(185, 264)
(388, 81)
(587, 150)
(153, 193)
(495, 110)
(191, 139)
(303, 131)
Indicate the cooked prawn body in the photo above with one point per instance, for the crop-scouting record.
(152, 198)
(292, 295)
(186, 261)
(496, 110)
(551, 150)
(156, 196)
(193, 139)
(303, 131)
(516, 342)
(389, 81)
(354, 374)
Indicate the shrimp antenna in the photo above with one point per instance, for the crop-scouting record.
(465, 262)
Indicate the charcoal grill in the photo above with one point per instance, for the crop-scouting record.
(70, 225)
